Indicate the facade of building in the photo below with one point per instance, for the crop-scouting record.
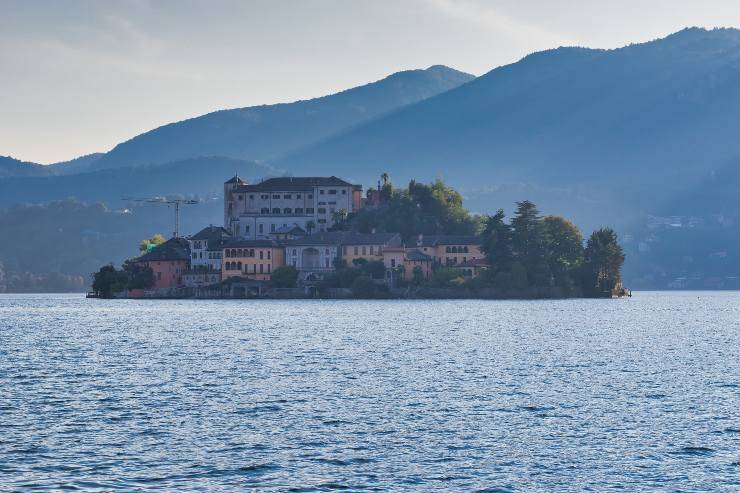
(254, 211)
(415, 260)
(168, 261)
(472, 268)
(252, 259)
(369, 247)
(313, 255)
(450, 250)
(206, 248)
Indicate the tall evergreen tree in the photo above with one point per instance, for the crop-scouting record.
(603, 260)
(563, 249)
(528, 242)
(496, 242)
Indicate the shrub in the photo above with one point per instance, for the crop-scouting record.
(284, 277)
(363, 287)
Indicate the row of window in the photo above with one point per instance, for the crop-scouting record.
(286, 210)
(231, 266)
(211, 255)
(246, 252)
(462, 249)
(364, 249)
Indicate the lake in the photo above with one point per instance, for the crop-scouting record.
(573, 395)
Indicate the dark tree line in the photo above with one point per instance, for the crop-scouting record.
(541, 252)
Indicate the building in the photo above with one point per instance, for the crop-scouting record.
(368, 247)
(252, 259)
(313, 255)
(206, 248)
(450, 250)
(254, 211)
(168, 261)
(472, 267)
(416, 260)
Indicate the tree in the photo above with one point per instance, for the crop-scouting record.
(445, 277)
(563, 249)
(310, 226)
(418, 275)
(603, 260)
(138, 276)
(149, 243)
(528, 242)
(363, 287)
(284, 277)
(496, 242)
(108, 280)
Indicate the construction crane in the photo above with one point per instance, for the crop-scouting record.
(168, 202)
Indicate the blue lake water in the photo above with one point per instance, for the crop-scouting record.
(579, 395)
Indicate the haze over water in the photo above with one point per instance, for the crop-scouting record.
(572, 395)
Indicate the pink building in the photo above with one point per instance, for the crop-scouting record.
(168, 261)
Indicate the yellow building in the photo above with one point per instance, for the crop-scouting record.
(253, 259)
(369, 247)
(450, 250)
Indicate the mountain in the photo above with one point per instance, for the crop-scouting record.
(202, 177)
(13, 167)
(77, 165)
(605, 134)
(263, 132)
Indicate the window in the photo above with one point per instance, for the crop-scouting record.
(372, 250)
(265, 210)
(287, 210)
(309, 210)
(447, 250)
(356, 250)
(238, 266)
(262, 254)
(310, 195)
(241, 197)
(287, 196)
(268, 254)
(264, 196)
(276, 196)
(322, 210)
(326, 252)
(298, 195)
(344, 192)
(393, 263)
(261, 266)
(251, 252)
(322, 221)
(321, 192)
(465, 249)
(261, 228)
(276, 210)
(322, 203)
(299, 210)
(251, 197)
(159, 276)
(364, 250)
(332, 192)
(268, 268)
(333, 202)
(246, 229)
(295, 252)
(272, 228)
(195, 255)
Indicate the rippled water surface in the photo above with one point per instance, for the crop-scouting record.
(599, 395)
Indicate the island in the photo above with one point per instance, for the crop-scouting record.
(321, 237)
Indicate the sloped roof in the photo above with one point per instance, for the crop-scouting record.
(171, 250)
(417, 256)
(211, 233)
(251, 244)
(295, 183)
(295, 229)
(435, 240)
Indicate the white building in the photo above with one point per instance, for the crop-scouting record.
(311, 203)
(206, 248)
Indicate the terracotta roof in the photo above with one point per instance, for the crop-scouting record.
(171, 250)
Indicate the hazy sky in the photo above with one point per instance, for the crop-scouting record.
(80, 76)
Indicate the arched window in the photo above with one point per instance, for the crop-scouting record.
(238, 266)
(251, 252)
(448, 249)
(465, 249)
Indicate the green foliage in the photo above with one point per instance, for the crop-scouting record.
(138, 276)
(603, 260)
(108, 280)
(363, 287)
(418, 275)
(284, 277)
(445, 277)
(563, 250)
(149, 243)
(518, 277)
(418, 209)
(496, 241)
